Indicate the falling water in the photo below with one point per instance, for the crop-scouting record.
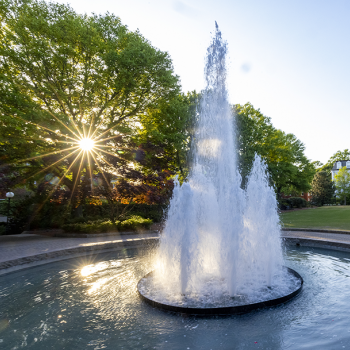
(219, 239)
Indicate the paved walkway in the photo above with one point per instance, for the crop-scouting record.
(24, 249)
(319, 236)
(28, 248)
(336, 241)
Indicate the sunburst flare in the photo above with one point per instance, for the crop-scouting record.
(84, 145)
(87, 144)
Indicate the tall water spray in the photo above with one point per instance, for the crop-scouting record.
(219, 238)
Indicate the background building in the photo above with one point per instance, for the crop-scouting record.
(338, 165)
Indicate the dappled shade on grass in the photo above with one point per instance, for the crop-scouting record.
(336, 217)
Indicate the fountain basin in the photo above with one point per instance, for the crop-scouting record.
(57, 306)
(145, 284)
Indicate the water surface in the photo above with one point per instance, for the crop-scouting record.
(92, 303)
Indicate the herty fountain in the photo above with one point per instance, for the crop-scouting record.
(220, 251)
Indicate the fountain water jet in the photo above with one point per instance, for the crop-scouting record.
(221, 245)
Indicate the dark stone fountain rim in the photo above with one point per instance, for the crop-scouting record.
(218, 311)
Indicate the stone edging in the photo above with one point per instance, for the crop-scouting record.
(98, 247)
(61, 233)
(216, 311)
(91, 248)
(315, 230)
(317, 243)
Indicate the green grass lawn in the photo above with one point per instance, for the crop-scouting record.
(337, 218)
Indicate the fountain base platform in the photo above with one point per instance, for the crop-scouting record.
(211, 310)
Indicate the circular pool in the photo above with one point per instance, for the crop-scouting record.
(219, 305)
(93, 303)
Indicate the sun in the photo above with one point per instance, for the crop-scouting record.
(86, 144)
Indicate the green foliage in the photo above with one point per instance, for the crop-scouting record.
(340, 155)
(63, 75)
(154, 212)
(297, 202)
(97, 226)
(342, 184)
(33, 213)
(253, 130)
(100, 226)
(284, 204)
(20, 214)
(84, 220)
(171, 125)
(135, 222)
(2, 229)
(283, 153)
(3, 207)
(322, 188)
(292, 202)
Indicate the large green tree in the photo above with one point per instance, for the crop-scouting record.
(65, 77)
(284, 153)
(322, 188)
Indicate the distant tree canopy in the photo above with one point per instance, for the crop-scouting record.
(289, 168)
(322, 188)
(342, 184)
(65, 77)
(340, 155)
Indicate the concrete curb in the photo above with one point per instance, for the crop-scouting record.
(317, 243)
(90, 248)
(61, 233)
(315, 230)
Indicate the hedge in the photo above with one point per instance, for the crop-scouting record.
(133, 223)
(292, 202)
(154, 212)
(26, 214)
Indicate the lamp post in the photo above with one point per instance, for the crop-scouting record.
(9, 195)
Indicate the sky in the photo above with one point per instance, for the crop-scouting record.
(290, 59)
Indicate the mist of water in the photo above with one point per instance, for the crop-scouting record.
(218, 237)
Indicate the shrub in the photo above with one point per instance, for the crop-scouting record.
(292, 202)
(135, 222)
(2, 228)
(3, 207)
(84, 220)
(154, 212)
(298, 202)
(91, 226)
(284, 204)
(97, 226)
(20, 214)
(30, 213)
